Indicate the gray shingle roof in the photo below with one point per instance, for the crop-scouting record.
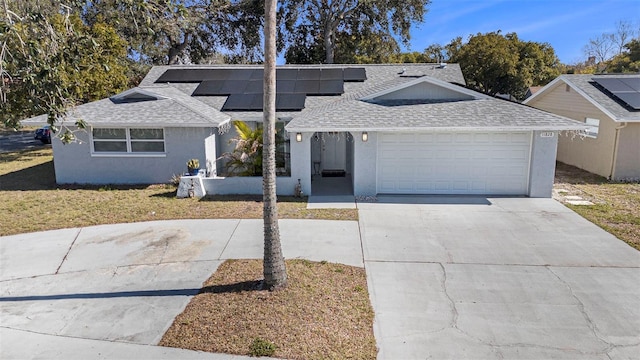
(176, 109)
(330, 113)
(495, 114)
(585, 83)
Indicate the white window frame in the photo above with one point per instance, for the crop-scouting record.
(128, 140)
(593, 129)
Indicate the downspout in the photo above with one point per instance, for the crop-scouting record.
(615, 149)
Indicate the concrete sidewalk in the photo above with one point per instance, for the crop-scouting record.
(111, 291)
(448, 278)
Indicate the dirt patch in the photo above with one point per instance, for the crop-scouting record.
(324, 313)
(616, 205)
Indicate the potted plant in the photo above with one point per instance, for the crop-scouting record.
(193, 165)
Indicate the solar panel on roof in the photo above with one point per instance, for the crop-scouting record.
(285, 86)
(254, 87)
(286, 74)
(290, 102)
(233, 86)
(237, 102)
(330, 87)
(208, 87)
(354, 74)
(308, 74)
(257, 74)
(239, 74)
(331, 74)
(185, 75)
(307, 87)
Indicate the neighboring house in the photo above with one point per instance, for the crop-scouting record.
(380, 129)
(532, 90)
(610, 106)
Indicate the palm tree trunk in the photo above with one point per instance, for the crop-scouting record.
(275, 272)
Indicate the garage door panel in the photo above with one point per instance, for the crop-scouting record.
(454, 163)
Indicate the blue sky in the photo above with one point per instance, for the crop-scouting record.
(566, 24)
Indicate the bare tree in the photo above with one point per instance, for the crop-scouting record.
(274, 268)
(624, 33)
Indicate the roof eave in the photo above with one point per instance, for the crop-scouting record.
(439, 129)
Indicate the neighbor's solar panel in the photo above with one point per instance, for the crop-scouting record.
(633, 83)
(613, 84)
(626, 89)
(630, 98)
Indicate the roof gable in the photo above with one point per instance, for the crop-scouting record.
(423, 88)
(586, 86)
(137, 94)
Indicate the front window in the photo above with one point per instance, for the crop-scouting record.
(283, 150)
(114, 140)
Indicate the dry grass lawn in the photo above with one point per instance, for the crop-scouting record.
(616, 206)
(324, 313)
(31, 201)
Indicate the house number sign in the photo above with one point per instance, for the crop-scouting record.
(546, 134)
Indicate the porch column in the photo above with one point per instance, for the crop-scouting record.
(364, 164)
(301, 160)
(211, 154)
(543, 163)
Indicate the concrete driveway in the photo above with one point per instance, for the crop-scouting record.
(449, 278)
(497, 278)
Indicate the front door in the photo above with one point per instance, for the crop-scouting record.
(334, 151)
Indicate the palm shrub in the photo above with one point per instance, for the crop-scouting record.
(246, 158)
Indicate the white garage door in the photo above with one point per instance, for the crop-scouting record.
(454, 163)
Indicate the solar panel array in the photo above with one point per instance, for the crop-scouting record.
(626, 89)
(244, 86)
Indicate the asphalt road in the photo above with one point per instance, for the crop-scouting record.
(19, 140)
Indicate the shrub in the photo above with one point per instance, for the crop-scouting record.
(261, 347)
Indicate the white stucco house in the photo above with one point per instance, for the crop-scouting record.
(380, 129)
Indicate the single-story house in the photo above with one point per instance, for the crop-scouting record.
(610, 106)
(379, 129)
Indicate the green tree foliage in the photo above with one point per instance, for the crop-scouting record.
(51, 61)
(503, 64)
(183, 31)
(329, 31)
(628, 61)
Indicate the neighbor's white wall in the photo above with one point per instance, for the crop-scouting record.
(592, 154)
(211, 154)
(74, 163)
(628, 158)
(542, 165)
(364, 164)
